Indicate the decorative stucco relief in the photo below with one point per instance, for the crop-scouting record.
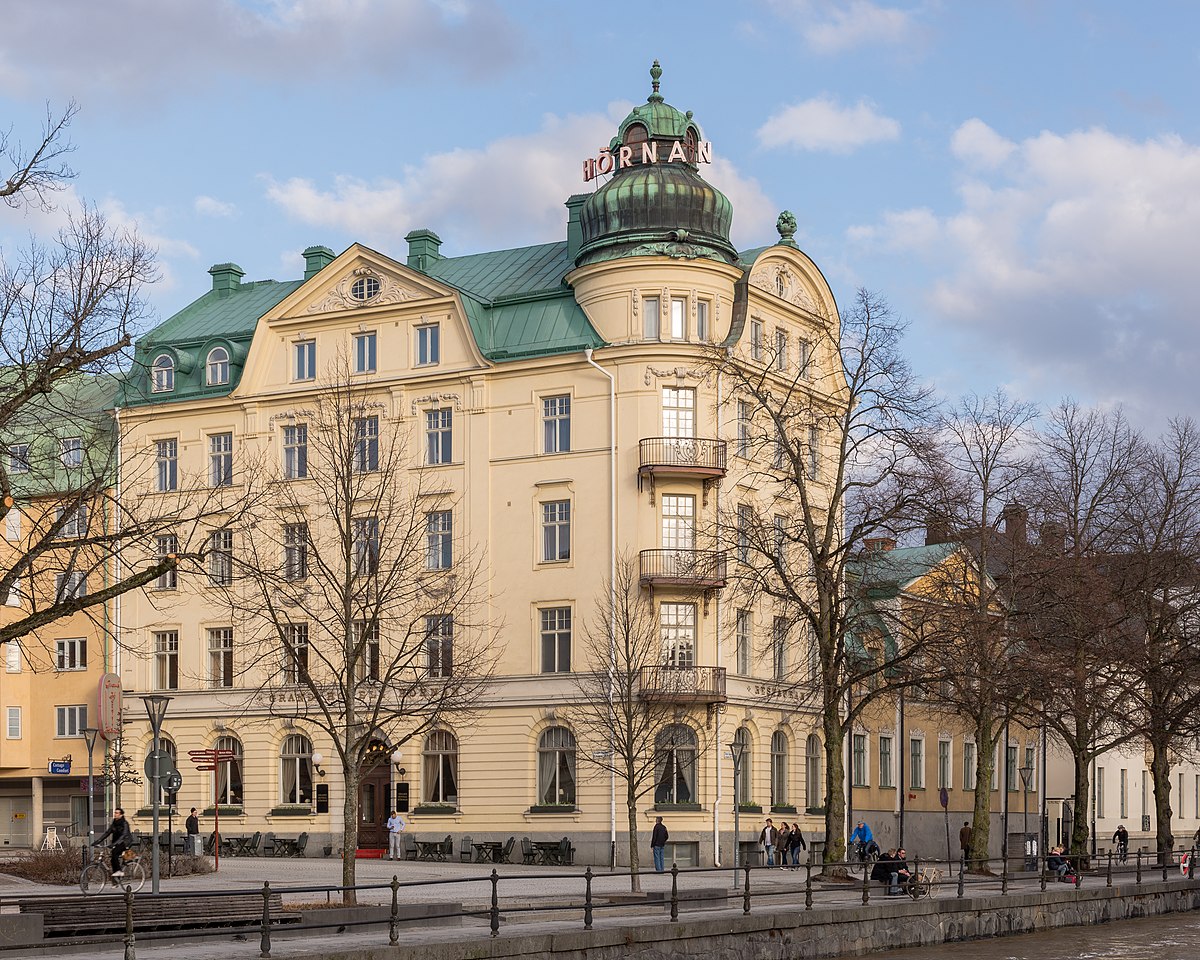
(779, 280)
(390, 291)
(679, 373)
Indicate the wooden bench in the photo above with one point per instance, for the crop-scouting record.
(70, 916)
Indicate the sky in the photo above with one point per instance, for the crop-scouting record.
(1020, 179)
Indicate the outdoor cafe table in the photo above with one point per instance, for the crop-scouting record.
(488, 852)
(235, 846)
(546, 851)
(430, 850)
(286, 846)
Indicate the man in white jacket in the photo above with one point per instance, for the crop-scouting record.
(395, 827)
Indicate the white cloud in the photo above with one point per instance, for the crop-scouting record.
(822, 124)
(844, 27)
(212, 207)
(506, 193)
(1075, 256)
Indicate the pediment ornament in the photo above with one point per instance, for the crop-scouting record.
(340, 298)
(679, 373)
(779, 280)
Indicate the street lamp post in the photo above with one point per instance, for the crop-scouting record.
(737, 748)
(89, 736)
(156, 710)
(1026, 779)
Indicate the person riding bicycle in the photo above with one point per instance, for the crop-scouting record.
(1121, 839)
(122, 839)
(863, 840)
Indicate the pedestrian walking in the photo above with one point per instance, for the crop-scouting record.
(192, 826)
(395, 826)
(796, 844)
(964, 840)
(658, 844)
(766, 840)
(782, 841)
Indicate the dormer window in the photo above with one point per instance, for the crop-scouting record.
(218, 366)
(162, 374)
(364, 289)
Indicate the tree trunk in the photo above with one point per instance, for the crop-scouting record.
(835, 791)
(1160, 772)
(985, 764)
(1080, 828)
(635, 880)
(349, 834)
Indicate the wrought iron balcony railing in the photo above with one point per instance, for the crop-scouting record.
(682, 455)
(700, 569)
(683, 684)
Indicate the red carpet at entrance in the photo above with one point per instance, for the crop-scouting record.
(370, 853)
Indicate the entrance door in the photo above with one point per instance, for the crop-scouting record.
(374, 806)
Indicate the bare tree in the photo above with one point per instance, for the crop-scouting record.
(633, 698)
(363, 609)
(829, 444)
(33, 174)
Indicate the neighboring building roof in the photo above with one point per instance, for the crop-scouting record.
(893, 570)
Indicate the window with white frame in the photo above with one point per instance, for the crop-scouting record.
(220, 657)
(1100, 792)
(70, 721)
(220, 558)
(14, 723)
(366, 444)
(779, 664)
(778, 449)
(18, 458)
(804, 358)
(813, 796)
(295, 771)
(12, 656)
(781, 351)
(364, 352)
(220, 459)
(162, 374)
(439, 540)
(166, 546)
(677, 622)
(166, 659)
(295, 452)
(814, 453)
(916, 763)
(439, 645)
(365, 532)
(429, 347)
(555, 639)
(744, 639)
(675, 750)
(556, 531)
(1029, 764)
(556, 424)
(743, 428)
(678, 522)
(70, 654)
(229, 772)
(678, 318)
(12, 524)
(779, 769)
(439, 436)
(295, 551)
(650, 319)
(304, 360)
(439, 758)
(1123, 783)
(945, 761)
(703, 333)
(14, 597)
(779, 539)
(1012, 780)
(76, 523)
(745, 519)
(72, 585)
(679, 412)
(167, 746)
(885, 763)
(366, 642)
(756, 340)
(858, 765)
(166, 462)
(970, 767)
(556, 767)
(743, 746)
(218, 366)
(295, 653)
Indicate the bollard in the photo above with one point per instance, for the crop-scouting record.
(808, 883)
(394, 922)
(587, 900)
(746, 896)
(130, 950)
(866, 889)
(674, 893)
(1108, 877)
(264, 944)
(1166, 859)
(1004, 873)
(1045, 865)
(962, 869)
(1192, 863)
(1139, 866)
(495, 911)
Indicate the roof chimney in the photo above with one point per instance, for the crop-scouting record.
(937, 529)
(879, 544)
(226, 277)
(575, 223)
(1016, 522)
(316, 259)
(423, 247)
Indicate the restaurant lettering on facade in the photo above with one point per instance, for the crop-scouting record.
(682, 151)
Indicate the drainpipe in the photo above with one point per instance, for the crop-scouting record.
(612, 583)
(719, 744)
(118, 567)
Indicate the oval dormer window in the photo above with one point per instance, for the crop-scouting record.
(162, 374)
(364, 289)
(218, 366)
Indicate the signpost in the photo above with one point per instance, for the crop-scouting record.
(212, 759)
(944, 800)
(59, 767)
(173, 783)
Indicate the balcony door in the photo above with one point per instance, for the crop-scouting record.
(678, 624)
(678, 522)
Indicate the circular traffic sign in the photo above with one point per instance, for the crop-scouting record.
(159, 764)
(174, 781)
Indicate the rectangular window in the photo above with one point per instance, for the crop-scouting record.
(702, 331)
(167, 546)
(756, 340)
(781, 350)
(364, 353)
(556, 531)
(779, 539)
(295, 551)
(220, 657)
(885, 763)
(220, 558)
(1145, 808)
(814, 453)
(71, 585)
(18, 458)
(556, 424)
(70, 721)
(1029, 764)
(996, 767)
(678, 319)
(14, 598)
(366, 444)
(366, 546)
(678, 522)
(650, 326)
(12, 525)
(166, 461)
(677, 623)
(12, 656)
(295, 653)
(679, 412)
(1182, 798)
(305, 356)
(1012, 779)
(429, 345)
(743, 429)
(916, 764)
(166, 660)
(14, 723)
(778, 449)
(745, 517)
(944, 764)
(779, 628)
(72, 452)
(366, 641)
(1100, 792)
(439, 540)
(556, 639)
(439, 643)
(70, 654)
(744, 637)
(76, 523)
(859, 756)
(804, 358)
(220, 460)
(295, 452)
(439, 436)
(1123, 783)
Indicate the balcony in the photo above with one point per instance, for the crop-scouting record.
(697, 569)
(683, 684)
(681, 457)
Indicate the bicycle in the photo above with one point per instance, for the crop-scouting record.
(97, 876)
(867, 854)
(921, 885)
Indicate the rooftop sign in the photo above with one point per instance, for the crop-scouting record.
(682, 151)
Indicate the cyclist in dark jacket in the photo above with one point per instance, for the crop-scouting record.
(122, 839)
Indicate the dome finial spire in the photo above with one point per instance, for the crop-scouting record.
(655, 73)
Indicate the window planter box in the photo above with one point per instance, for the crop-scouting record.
(553, 808)
(783, 808)
(225, 811)
(815, 811)
(678, 807)
(750, 807)
(289, 810)
(434, 810)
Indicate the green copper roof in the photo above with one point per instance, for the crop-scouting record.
(896, 569)
(506, 273)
